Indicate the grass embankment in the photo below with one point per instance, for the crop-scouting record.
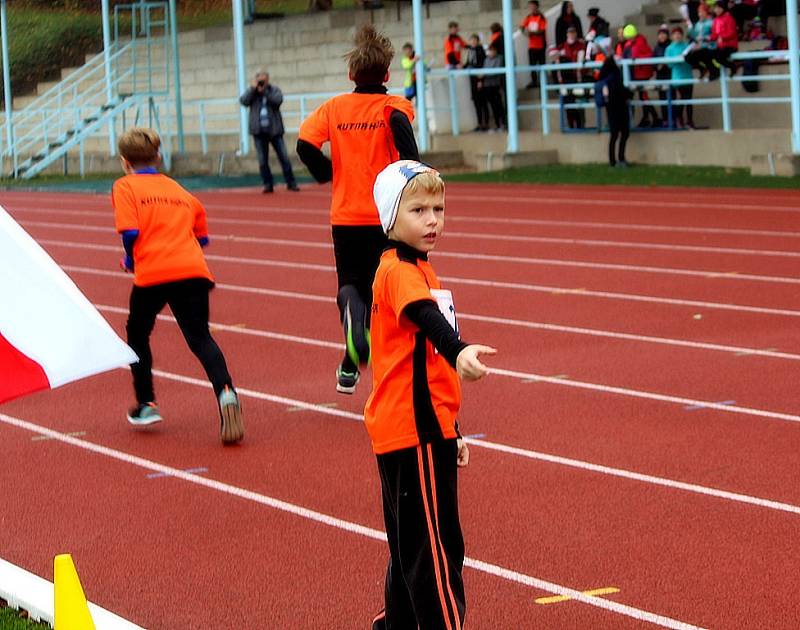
(10, 619)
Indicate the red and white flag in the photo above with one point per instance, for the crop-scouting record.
(50, 334)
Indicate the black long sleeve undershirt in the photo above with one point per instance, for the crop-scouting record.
(429, 319)
(321, 168)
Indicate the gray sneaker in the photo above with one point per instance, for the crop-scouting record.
(230, 411)
(346, 381)
(144, 415)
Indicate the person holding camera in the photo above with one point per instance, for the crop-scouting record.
(266, 126)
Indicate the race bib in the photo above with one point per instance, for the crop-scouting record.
(444, 300)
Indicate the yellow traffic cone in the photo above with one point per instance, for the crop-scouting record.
(71, 608)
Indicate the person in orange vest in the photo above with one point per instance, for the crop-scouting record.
(496, 38)
(453, 45)
(535, 27)
(367, 130)
(411, 415)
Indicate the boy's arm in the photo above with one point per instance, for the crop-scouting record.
(313, 134)
(320, 166)
(403, 134)
(200, 223)
(125, 220)
(426, 316)
(461, 356)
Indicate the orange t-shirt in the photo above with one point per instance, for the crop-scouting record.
(536, 27)
(416, 394)
(362, 145)
(169, 220)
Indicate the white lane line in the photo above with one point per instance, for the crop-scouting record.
(630, 203)
(262, 262)
(342, 524)
(621, 391)
(532, 239)
(738, 350)
(633, 227)
(547, 262)
(635, 393)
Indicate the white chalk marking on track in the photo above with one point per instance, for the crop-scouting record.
(547, 262)
(482, 283)
(634, 227)
(342, 524)
(532, 239)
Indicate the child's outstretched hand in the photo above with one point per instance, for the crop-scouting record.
(463, 453)
(467, 364)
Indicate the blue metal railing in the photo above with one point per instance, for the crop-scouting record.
(545, 105)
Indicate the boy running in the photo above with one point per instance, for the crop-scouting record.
(417, 358)
(163, 231)
(367, 129)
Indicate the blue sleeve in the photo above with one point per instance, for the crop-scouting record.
(128, 239)
(203, 240)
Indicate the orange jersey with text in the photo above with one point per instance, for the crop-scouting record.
(362, 145)
(416, 394)
(169, 221)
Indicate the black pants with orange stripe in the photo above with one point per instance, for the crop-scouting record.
(424, 588)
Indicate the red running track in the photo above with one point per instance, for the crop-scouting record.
(661, 460)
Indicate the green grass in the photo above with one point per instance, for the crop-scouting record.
(602, 174)
(10, 620)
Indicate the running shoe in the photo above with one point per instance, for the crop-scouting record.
(144, 415)
(346, 381)
(230, 411)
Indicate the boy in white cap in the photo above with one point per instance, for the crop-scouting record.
(417, 359)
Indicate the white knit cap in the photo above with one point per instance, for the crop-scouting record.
(389, 187)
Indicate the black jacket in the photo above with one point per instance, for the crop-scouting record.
(252, 99)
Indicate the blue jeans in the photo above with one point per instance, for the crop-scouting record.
(262, 142)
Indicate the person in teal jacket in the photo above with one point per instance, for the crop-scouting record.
(681, 72)
(700, 42)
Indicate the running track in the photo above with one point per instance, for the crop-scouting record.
(641, 432)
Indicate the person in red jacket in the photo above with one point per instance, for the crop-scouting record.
(535, 27)
(636, 47)
(725, 34)
(453, 45)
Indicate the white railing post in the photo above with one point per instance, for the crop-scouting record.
(724, 94)
(511, 78)
(451, 88)
(543, 94)
(794, 70)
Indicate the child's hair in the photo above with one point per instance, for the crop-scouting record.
(495, 27)
(429, 181)
(408, 46)
(139, 145)
(371, 56)
(452, 25)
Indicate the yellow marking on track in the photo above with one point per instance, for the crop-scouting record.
(555, 599)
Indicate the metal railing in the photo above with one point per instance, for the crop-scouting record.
(547, 86)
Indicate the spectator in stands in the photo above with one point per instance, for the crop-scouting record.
(770, 8)
(496, 38)
(698, 54)
(266, 125)
(475, 58)
(573, 51)
(619, 47)
(663, 71)
(566, 20)
(724, 33)
(742, 11)
(689, 11)
(636, 47)
(597, 25)
(320, 5)
(493, 87)
(408, 63)
(613, 93)
(453, 45)
(535, 27)
(681, 72)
